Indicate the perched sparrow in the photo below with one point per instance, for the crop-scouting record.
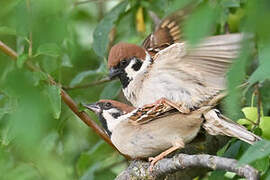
(163, 133)
(163, 69)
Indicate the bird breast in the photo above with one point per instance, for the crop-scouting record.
(145, 140)
(166, 84)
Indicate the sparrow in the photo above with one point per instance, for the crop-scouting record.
(168, 69)
(140, 134)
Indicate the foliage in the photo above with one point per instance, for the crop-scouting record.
(40, 138)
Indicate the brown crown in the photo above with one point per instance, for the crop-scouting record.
(124, 107)
(122, 51)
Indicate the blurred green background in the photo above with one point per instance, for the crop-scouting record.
(41, 138)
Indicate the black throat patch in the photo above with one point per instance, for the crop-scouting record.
(104, 125)
(124, 79)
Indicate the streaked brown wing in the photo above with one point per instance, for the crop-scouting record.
(167, 33)
(149, 113)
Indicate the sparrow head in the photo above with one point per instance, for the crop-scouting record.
(109, 113)
(125, 60)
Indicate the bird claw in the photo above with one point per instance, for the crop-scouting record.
(153, 161)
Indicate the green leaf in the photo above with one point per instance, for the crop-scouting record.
(66, 61)
(218, 174)
(111, 90)
(94, 173)
(101, 33)
(6, 136)
(267, 176)
(49, 49)
(54, 95)
(176, 5)
(236, 76)
(265, 126)
(233, 150)
(259, 150)
(10, 104)
(81, 107)
(39, 76)
(200, 23)
(261, 164)
(244, 122)
(49, 142)
(93, 157)
(22, 171)
(250, 113)
(7, 31)
(263, 71)
(81, 76)
(21, 60)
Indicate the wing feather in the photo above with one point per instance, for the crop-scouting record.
(202, 69)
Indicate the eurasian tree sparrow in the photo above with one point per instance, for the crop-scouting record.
(163, 69)
(163, 133)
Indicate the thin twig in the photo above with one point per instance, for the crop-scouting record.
(65, 97)
(95, 83)
(140, 170)
(226, 28)
(7, 50)
(259, 100)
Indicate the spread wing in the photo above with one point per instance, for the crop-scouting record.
(198, 71)
(167, 32)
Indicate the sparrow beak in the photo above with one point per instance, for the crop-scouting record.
(93, 107)
(114, 72)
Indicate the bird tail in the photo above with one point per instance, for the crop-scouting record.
(217, 124)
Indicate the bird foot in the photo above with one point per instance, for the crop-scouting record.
(154, 160)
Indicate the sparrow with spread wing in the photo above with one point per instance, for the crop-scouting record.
(166, 70)
(161, 132)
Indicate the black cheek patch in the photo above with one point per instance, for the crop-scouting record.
(104, 125)
(137, 65)
(116, 115)
(124, 79)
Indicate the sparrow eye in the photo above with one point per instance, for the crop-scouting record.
(123, 62)
(107, 105)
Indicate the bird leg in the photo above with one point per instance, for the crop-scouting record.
(154, 160)
(165, 102)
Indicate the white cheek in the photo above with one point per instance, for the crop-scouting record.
(146, 63)
(111, 121)
(131, 73)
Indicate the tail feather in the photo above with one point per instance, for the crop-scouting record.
(217, 124)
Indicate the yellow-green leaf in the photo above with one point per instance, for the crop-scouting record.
(250, 113)
(265, 126)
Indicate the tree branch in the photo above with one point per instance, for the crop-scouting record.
(65, 97)
(8, 51)
(139, 169)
